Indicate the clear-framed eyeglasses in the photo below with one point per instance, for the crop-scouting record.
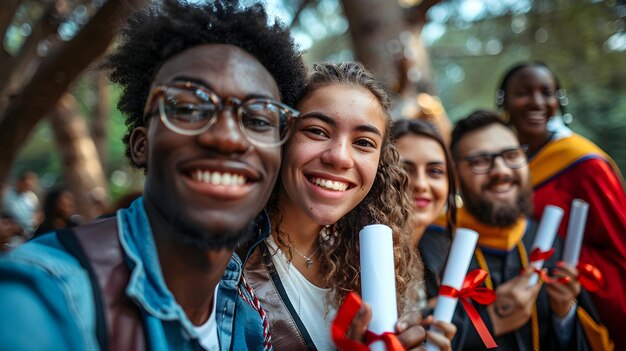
(513, 158)
(189, 108)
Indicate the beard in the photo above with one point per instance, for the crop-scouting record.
(498, 214)
(209, 240)
(182, 231)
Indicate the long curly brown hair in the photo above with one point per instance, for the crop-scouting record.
(388, 202)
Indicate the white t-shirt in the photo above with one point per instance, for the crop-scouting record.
(208, 330)
(308, 300)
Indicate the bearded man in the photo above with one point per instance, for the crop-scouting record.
(494, 179)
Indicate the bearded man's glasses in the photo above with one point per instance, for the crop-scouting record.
(513, 158)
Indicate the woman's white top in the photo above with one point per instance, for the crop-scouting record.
(308, 300)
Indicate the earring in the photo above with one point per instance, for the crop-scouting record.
(328, 234)
(458, 200)
(561, 95)
(568, 118)
(499, 97)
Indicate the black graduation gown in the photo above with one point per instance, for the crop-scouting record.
(434, 247)
(504, 266)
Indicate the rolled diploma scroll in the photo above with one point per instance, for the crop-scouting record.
(378, 279)
(459, 258)
(575, 231)
(546, 233)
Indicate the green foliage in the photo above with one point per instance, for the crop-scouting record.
(571, 37)
(36, 156)
(27, 14)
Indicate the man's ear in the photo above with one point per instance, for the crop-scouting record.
(139, 146)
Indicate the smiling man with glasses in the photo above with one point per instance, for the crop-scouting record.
(493, 170)
(494, 179)
(206, 91)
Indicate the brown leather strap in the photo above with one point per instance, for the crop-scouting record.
(288, 331)
(101, 245)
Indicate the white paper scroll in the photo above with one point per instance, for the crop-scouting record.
(546, 233)
(575, 231)
(378, 279)
(459, 258)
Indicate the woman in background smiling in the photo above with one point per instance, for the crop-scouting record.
(428, 163)
(565, 166)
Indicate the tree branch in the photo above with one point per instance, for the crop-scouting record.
(299, 10)
(7, 12)
(416, 15)
(55, 75)
(19, 71)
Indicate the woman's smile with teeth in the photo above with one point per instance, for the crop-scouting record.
(329, 184)
(218, 178)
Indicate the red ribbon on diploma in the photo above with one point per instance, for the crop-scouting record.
(538, 255)
(590, 277)
(482, 295)
(341, 324)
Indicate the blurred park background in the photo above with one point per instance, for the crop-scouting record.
(58, 113)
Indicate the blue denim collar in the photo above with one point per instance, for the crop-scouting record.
(147, 286)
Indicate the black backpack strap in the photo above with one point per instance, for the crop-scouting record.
(70, 242)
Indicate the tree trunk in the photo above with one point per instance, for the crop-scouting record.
(82, 169)
(387, 39)
(375, 26)
(54, 75)
(101, 113)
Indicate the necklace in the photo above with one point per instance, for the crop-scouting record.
(308, 260)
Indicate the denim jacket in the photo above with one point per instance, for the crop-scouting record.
(46, 302)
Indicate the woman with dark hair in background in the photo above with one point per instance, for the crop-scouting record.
(428, 162)
(565, 166)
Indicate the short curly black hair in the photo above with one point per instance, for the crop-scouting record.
(162, 31)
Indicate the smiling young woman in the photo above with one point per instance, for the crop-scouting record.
(339, 173)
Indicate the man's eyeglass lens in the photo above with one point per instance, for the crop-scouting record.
(513, 158)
